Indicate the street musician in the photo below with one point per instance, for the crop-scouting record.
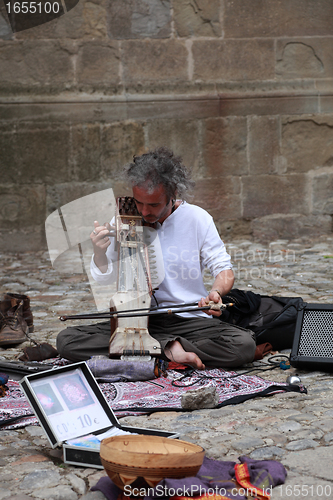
(190, 243)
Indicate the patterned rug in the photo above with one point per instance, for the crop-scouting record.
(162, 394)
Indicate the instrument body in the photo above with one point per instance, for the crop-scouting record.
(129, 335)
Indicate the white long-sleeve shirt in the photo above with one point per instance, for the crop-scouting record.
(189, 243)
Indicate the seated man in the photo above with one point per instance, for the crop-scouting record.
(189, 242)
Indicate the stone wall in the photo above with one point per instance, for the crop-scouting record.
(242, 89)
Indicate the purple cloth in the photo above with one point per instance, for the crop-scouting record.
(214, 477)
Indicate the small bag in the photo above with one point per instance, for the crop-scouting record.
(275, 321)
(272, 319)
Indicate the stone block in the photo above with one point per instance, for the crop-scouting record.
(22, 215)
(224, 60)
(86, 19)
(98, 65)
(322, 191)
(283, 104)
(35, 66)
(274, 194)
(171, 107)
(154, 61)
(324, 87)
(21, 206)
(173, 88)
(27, 239)
(273, 227)
(267, 453)
(7, 150)
(326, 104)
(312, 463)
(197, 18)
(234, 229)
(30, 458)
(181, 136)
(307, 142)
(94, 18)
(244, 19)
(299, 483)
(41, 155)
(222, 199)
(20, 496)
(58, 195)
(304, 58)
(264, 146)
(86, 151)
(80, 112)
(102, 112)
(133, 19)
(118, 145)
(196, 399)
(268, 88)
(224, 147)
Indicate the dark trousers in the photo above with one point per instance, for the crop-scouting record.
(218, 344)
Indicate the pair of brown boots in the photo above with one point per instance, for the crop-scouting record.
(16, 319)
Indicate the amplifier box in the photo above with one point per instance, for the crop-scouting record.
(313, 340)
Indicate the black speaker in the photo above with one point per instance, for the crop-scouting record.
(313, 340)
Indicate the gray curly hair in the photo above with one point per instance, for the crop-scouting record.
(160, 166)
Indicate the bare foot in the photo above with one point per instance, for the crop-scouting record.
(175, 352)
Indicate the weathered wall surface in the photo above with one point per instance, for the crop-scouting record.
(243, 90)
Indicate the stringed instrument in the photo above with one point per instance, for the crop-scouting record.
(129, 335)
(130, 306)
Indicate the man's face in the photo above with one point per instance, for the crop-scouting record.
(153, 206)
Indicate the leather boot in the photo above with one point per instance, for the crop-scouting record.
(6, 303)
(13, 327)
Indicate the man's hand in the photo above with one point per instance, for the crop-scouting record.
(212, 297)
(100, 238)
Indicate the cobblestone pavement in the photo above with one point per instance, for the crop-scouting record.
(296, 429)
